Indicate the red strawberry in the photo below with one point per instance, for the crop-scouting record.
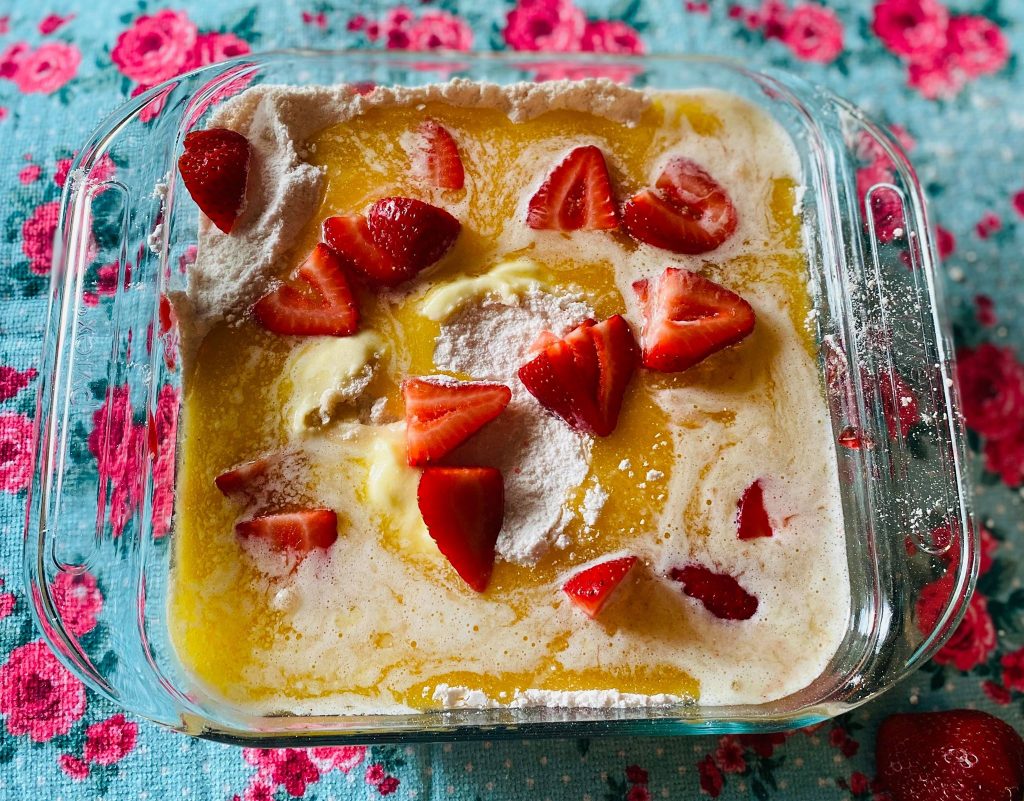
(215, 167)
(293, 531)
(544, 338)
(720, 593)
(463, 508)
(437, 160)
(751, 518)
(327, 308)
(686, 212)
(958, 755)
(398, 237)
(577, 195)
(591, 589)
(583, 377)
(687, 318)
(240, 479)
(440, 416)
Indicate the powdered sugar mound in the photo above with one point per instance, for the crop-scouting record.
(542, 459)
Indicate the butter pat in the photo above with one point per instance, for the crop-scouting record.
(391, 489)
(505, 282)
(324, 373)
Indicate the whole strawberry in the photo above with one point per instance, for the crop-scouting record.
(960, 755)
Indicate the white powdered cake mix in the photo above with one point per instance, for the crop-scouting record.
(381, 608)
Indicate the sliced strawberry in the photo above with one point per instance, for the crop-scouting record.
(437, 159)
(720, 593)
(215, 168)
(687, 318)
(955, 755)
(300, 532)
(751, 517)
(242, 478)
(440, 416)
(544, 338)
(584, 383)
(577, 195)
(463, 508)
(349, 236)
(327, 308)
(686, 212)
(591, 589)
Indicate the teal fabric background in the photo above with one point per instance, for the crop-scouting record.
(950, 86)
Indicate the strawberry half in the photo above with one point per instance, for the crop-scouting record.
(440, 416)
(577, 195)
(437, 160)
(582, 378)
(462, 508)
(720, 593)
(591, 589)
(326, 308)
(215, 168)
(751, 517)
(398, 237)
(240, 479)
(299, 532)
(687, 211)
(687, 318)
(958, 755)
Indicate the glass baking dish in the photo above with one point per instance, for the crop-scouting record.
(127, 233)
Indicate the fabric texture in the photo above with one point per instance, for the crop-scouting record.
(944, 77)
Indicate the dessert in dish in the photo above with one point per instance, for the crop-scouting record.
(501, 396)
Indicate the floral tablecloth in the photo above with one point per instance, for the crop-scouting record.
(944, 77)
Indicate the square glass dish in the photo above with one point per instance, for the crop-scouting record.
(103, 490)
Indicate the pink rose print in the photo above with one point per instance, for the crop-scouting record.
(859, 783)
(1005, 457)
(156, 47)
(911, 28)
(763, 744)
(974, 639)
(840, 738)
(388, 786)
(711, 781)
(996, 692)
(52, 22)
(257, 791)
(1018, 202)
(38, 695)
(985, 311)
(636, 775)
(552, 25)
(14, 381)
(400, 29)
(1013, 670)
(814, 33)
(37, 237)
(945, 242)
(6, 602)
(987, 225)
(316, 19)
(165, 425)
(601, 36)
(638, 792)
(30, 174)
(115, 442)
(110, 740)
(102, 170)
(991, 389)
(43, 70)
(78, 601)
(15, 451)
(977, 46)
(697, 7)
(294, 771)
(342, 758)
(74, 767)
(375, 774)
(211, 48)
(729, 756)
(106, 283)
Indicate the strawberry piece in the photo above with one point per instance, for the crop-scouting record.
(240, 479)
(462, 508)
(686, 212)
(720, 593)
(577, 195)
(544, 338)
(215, 168)
(299, 532)
(590, 589)
(441, 416)
(751, 517)
(398, 237)
(687, 318)
(437, 159)
(583, 377)
(957, 755)
(326, 309)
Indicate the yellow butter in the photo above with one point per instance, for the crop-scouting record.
(391, 489)
(505, 281)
